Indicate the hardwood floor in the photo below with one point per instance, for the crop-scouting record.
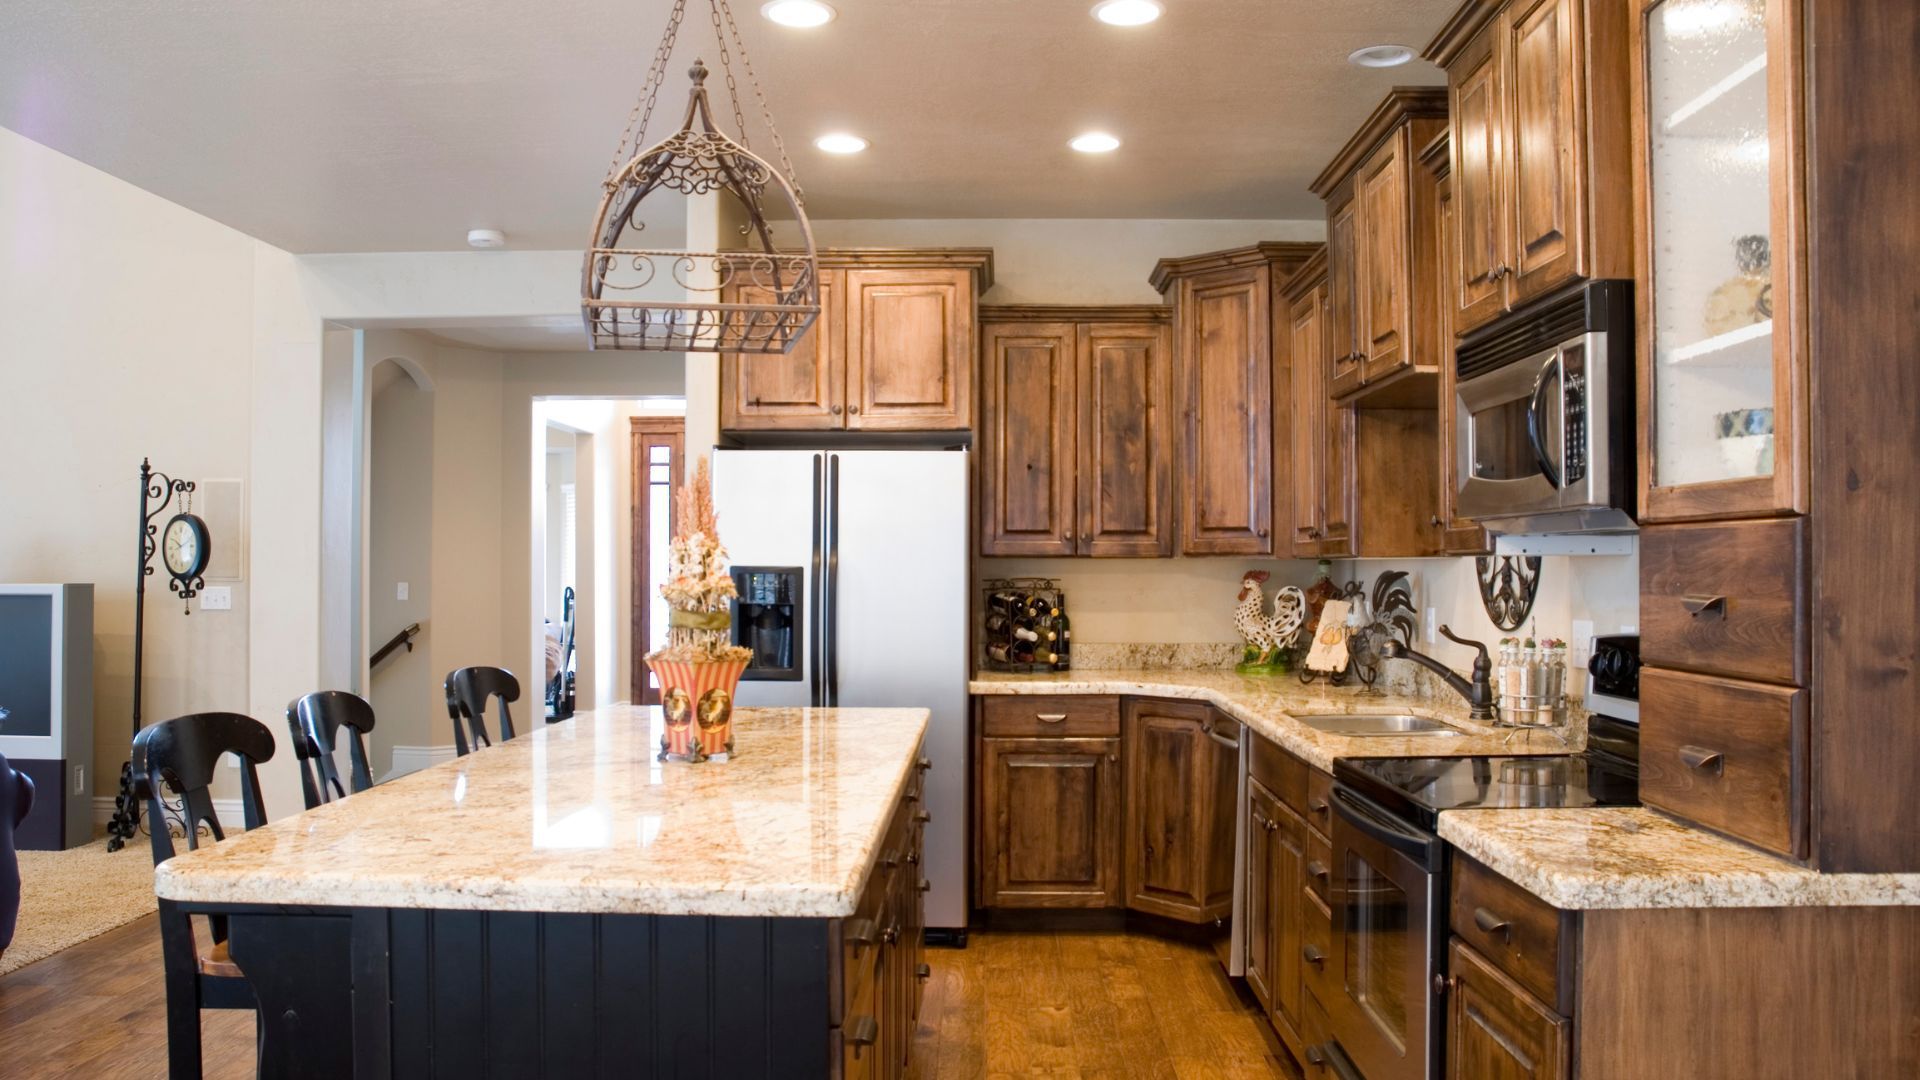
(1061, 1005)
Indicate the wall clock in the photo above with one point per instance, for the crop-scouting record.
(185, 548)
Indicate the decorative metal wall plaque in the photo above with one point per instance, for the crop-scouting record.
(1508, 584)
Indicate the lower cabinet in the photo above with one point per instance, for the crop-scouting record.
(1103, 802)
(1048, 823)
(882, 965)
(1288, 923)
(1498, 1031)
(1182, 771)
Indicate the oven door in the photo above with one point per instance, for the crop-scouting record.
(1513, 436)
(1386, 941)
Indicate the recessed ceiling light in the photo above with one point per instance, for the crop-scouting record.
(841, 142)
(804, 14)
(1377, 56)
(1127, 12)
(1095, 142)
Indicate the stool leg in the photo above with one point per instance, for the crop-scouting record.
(183, 992)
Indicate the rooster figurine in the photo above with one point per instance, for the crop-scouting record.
(1289, 615)
(1250, 618)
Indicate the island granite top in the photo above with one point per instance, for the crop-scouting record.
(579, 816)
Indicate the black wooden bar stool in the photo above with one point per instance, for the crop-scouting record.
(316, 721)
(468, 691)
(181, 756)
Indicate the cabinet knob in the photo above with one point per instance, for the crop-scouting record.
(1261, 532)
(836, 410)
(854, 409)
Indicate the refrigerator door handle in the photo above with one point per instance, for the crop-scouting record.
(816, 685)
(832, 614)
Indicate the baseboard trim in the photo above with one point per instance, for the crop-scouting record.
(409, 759)
(225, 809)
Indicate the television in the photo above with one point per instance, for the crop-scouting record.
(46, 708)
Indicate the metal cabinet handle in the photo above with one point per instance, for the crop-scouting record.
(924, 885)
(1050, 717)
(863, 1031)
(1316, 1056)
(1700, 605)
(1316, 869)
(923, 764)
(913, 859)
(889, 860)
(1489, 923)
(1701, 759)
(921, 817)
(859, 931)
(1317, 806)
(1259, 818)
(892, 934)
(923, 972)
(1231, 744)
(1312, 955)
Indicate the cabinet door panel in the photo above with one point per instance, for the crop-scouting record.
(1287, 879)
(1459, 536)
(1476, 265)
(1049, 823)
(799, 390)
(1307, 354)
(1262, 810)
(1126, 476)
(1338, 467)
(1543, 61)
(1496, 1030)
(1344, 299)
(1179, 812)
(1027, 440)
(1227, 386)
(909, 349)
(1385, 251)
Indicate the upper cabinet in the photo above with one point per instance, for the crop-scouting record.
(1224, 321)
(892, 349)
(1076, 431)
(1458, 535)
(1538, 103)
(1722, 364)
(1381, 264)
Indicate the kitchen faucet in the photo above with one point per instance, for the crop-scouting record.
(1479, 692)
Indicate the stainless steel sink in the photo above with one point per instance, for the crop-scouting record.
(1360, 725)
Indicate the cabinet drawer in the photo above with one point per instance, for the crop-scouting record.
(1724, 598)
(1728, 755)
(1021, 716)
(1319, 811)
(1521, 933)
(1316, 949)
(1281, 772)
(1317, 868)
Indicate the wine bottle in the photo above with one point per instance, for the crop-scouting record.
(1063, 635)
(999, 654)
(1025, 632)
(997, 622)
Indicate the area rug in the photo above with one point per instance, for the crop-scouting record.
(69, 896)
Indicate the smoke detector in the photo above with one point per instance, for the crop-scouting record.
(485, 239)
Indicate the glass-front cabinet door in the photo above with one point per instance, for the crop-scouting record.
(1722, 394)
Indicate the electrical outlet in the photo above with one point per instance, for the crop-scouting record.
(400, 591)
(216, 598)
(79, 779)
(1582, 643)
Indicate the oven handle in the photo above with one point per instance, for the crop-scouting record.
(1536, 435)
(1363, 815)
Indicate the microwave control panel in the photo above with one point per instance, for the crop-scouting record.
(1573, 367)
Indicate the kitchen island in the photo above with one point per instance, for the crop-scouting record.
(564, 904)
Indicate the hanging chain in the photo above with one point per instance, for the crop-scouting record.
(636, 132)
(766, 113)
(726, 68)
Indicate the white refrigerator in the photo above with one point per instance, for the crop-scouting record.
(881, 540)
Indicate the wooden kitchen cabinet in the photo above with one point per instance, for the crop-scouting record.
(1224, 323)
(1458, 535)
(892, 349)
(1264, 878)
(1538, 102)
(1498, 1031)
(1381, 259)
(1182, 768)
(1320, 479)
(1048, 823)
(1076, 431)
(1287, 875)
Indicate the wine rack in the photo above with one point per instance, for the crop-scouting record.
(1009, 606)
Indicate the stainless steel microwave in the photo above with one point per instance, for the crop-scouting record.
(1544, 411)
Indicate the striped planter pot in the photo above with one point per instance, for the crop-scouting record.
(697, 698)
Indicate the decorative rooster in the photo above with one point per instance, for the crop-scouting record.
(1249, 617)
(1289, 615)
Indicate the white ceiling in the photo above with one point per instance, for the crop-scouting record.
(384, 125)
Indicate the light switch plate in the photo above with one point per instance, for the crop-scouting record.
(216, 598)
(400, 591)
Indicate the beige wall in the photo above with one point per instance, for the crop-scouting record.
(400, 519)
(125, 332)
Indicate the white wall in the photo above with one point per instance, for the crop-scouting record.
(126, 332)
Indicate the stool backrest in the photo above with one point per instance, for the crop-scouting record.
(316, 720)
(181, 755)
(468, 691)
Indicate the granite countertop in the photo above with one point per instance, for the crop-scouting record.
(1633, 857)
(1268, 703)
(580, 817)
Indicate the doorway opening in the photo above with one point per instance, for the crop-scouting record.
(659, 443)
